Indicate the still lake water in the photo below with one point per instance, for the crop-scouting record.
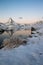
(20, 33)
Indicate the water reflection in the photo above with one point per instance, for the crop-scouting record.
(23, 34)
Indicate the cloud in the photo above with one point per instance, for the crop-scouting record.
(20, 17)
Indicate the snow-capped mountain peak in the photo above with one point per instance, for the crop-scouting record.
(11, 22)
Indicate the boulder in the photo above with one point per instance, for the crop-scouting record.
(33, 29)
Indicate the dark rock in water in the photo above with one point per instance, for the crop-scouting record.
(32, 33)
(24, 42)
(33, 29)
(1, 31)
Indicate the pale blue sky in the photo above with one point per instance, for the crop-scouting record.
(21, 8)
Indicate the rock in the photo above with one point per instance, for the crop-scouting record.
(1, 31)
(24, 41)
(33, 29)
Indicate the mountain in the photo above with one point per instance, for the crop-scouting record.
(12, 25)
(11, 22)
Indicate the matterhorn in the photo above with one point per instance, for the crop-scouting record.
(12, 26)
(11, 22)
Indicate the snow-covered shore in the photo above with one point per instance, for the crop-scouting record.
(30, 54)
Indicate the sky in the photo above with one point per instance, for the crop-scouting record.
(23, 9)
